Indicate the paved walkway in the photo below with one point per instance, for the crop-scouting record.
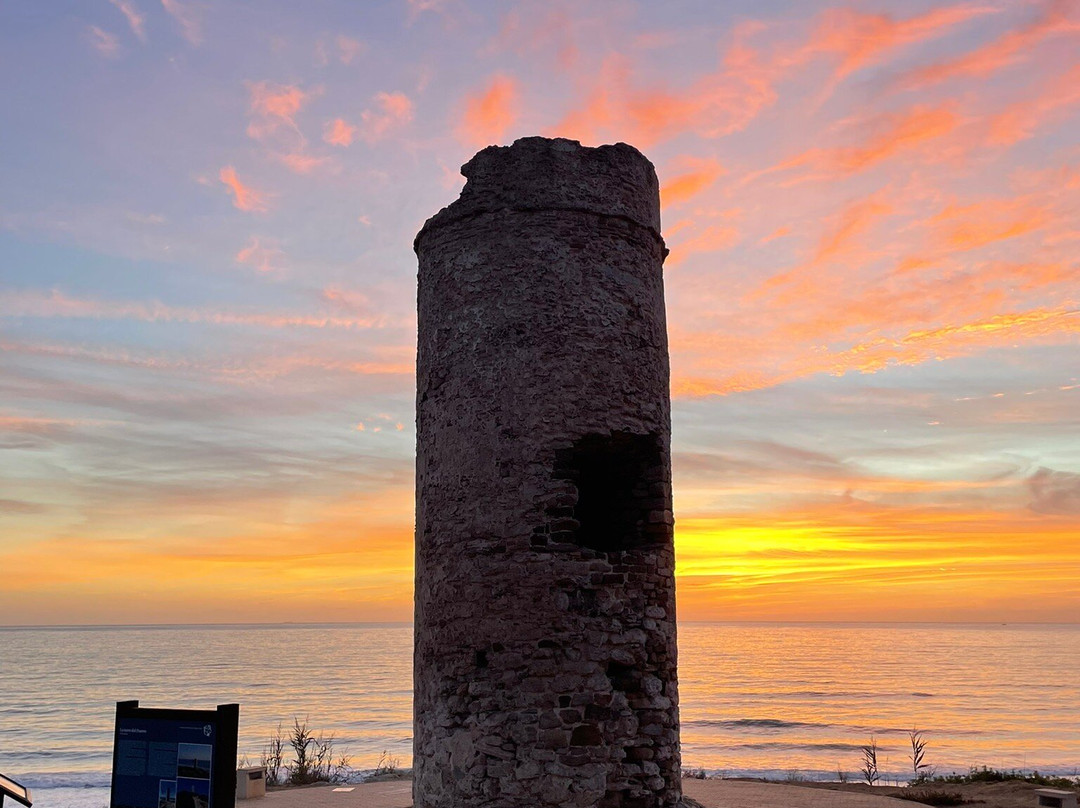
(710, 793)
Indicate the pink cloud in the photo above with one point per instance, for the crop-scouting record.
(187, 18)
(861, 39)
(349, 49)
(274, 106)
(338, 133)
(57, 304)
(538, 28)
(1021, 119)
(1056, 17)
(105, 43)
(393, 111)
(244, 197)
(301, 163)
(490, 113)
(262, 257)
(713, 238)
(135, 19)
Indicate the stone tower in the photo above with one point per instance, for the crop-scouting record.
(545, 661)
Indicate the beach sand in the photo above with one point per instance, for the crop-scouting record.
(710, 793)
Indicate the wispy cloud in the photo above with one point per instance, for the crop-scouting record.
(391, 112)
(1054, 17)
(244, 197)
(968, 227)
(134, 17)
(348, 49)
(263, 257)
(274, 107)
(187, 18)
(57, 304)
(104, 43)
(1022, 119)
(302, 163)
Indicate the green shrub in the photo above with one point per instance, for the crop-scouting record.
(933, 797)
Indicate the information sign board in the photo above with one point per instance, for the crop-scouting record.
(174, 758)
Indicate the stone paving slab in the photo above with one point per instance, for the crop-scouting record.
(710, 793)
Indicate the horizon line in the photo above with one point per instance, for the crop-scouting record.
(402, 623)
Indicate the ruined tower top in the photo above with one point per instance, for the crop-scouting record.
(539, 173)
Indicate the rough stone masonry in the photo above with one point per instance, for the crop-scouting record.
(545, 658)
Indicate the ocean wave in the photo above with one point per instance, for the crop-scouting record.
(38, 780)
(762, 723)
(783, 746)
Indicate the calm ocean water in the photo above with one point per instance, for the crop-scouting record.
(757, 699)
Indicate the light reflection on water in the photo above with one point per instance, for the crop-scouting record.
(756, 698)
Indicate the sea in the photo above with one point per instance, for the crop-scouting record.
(784, 701)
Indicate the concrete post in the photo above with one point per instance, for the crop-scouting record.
(545, 658)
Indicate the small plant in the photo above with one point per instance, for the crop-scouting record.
(919, 767)
(313, 758)
(841, 775)
(387, 764)
(273, 758)
(695, 774)
(869, 766)
(795, 776)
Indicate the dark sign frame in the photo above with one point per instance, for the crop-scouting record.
(224, 723)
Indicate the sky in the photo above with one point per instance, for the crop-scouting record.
(207, 293)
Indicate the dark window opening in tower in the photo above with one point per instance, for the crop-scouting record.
(620, 483)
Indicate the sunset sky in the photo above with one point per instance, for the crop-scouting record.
(207, 293)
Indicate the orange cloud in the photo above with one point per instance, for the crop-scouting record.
(338, 133)
(601, 105)
(490, 113)
(393, 111)
(873, 355)
(861, 38)
(890, 135)
(711, 239)
(716, 104)
(728, 99)
(244, 197)
(134, 18)
(185, 16)
(854, 220)
(838, 240)
(897, 133)
(261, 257)
(683, 186)
(1056, 17)
(1022, 119)
(969, 227)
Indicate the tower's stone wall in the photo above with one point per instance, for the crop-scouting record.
(545, 660)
